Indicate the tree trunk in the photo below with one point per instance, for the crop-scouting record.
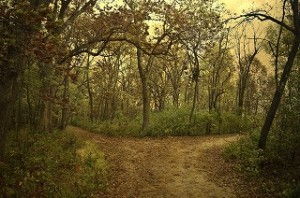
(65, 104)
(29, 106)
(10, 73)
(175, 96)
(278, 94)
(196, 73)
(46, 113)
(195, 97)
(7, 101)
(242, 86)
(19, 119)
(91, 100)
(241, 91)
(145, 94)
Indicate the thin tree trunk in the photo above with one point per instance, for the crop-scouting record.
(19, 112)
(46, 113)
(175, 97)
(7, 101)
(278, 94)
(241, 90)
(91, 99)
(9, 85)
(186, 94)
(45, 116)
(195, 97)
(65, 105)
(145, 92)
(29, 106)
(196, 73)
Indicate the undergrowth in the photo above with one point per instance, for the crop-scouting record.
(175, 122)
(276, 169)
(51, 165)
(172, 122)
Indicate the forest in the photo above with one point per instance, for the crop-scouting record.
(88, 84)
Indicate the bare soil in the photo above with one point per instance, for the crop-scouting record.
(166, 167)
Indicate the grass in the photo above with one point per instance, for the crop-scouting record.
(51, 165)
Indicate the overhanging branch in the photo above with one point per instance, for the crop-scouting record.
(264, 17)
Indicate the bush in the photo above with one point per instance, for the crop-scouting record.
(292, 191)
(51, 165)
(174, 122)
(247, 155)
(171, 122)
(122, 126)
(277, 167)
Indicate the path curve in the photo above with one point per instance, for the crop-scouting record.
(160, 167)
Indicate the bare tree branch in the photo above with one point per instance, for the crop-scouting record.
(264, 17)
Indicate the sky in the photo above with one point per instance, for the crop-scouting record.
(238, 6)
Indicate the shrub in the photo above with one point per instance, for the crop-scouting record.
(292, 191)
(173, 121)
(51, 165)
(121, 126)
(277, 167)
(247, 155)
(170, 122)
(176, 122)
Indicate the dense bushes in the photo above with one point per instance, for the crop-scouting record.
(277, 167)
(245, 152)
(51, 165)
(174, 121)
(122, 126)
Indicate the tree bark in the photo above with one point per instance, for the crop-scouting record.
(91, 100)
(196, 74)
(10, 73)
(65, 102)
(145, 91)
(278, 94)
(29, 106)
(7, 101)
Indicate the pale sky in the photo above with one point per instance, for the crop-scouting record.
(238, 6)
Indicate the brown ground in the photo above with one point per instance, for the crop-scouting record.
(167, 167)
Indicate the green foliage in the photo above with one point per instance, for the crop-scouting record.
(176, 122)
(292, 191)
(277, 168)
(122, 126)
(246, 153)
(171, 122)
(51, 165)
(231, 122)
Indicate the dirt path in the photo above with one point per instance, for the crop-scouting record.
(160, 167)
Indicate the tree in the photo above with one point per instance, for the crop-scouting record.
(174, 68)
(245, 58)
(30, 37)
(219, 70)
(21, 35)
(199, 28)
(158, 84)
(147, 48)
(256, 88)
(292, 7)
(218, 74)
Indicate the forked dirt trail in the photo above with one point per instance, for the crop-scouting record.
(160, 167)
